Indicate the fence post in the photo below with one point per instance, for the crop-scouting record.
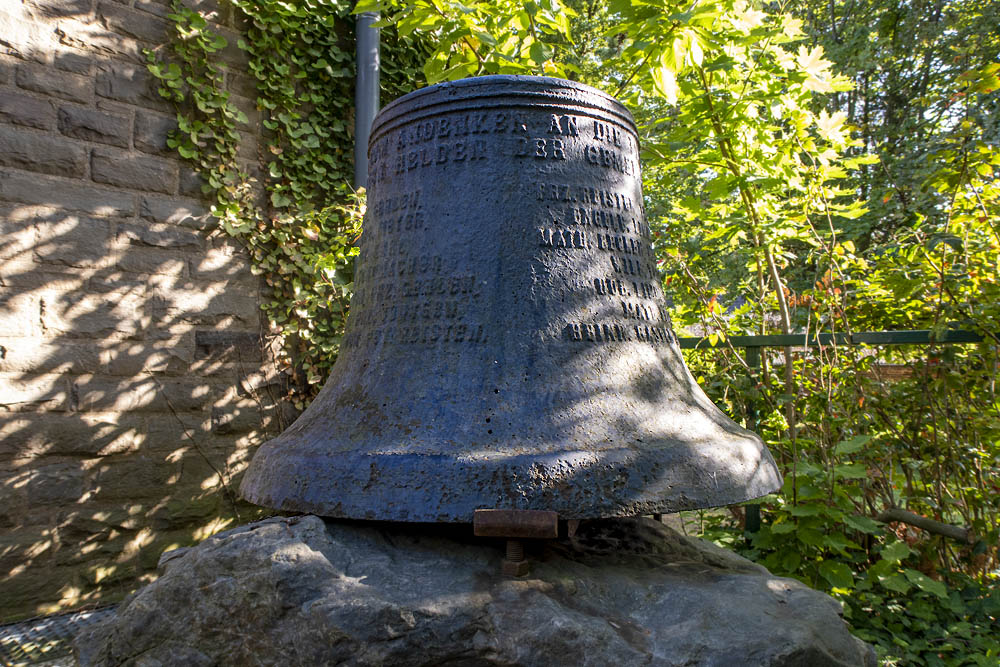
(752, 356)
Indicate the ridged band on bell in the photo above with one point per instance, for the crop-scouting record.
(508, 344)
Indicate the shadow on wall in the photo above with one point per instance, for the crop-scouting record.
(132, 403)
(134, 379)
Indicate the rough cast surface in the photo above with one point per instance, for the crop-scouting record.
(299, 591)
(509, 343)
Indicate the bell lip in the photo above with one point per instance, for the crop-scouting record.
(425, 98)
(440, 488)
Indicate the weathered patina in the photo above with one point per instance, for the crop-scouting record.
(508, 345)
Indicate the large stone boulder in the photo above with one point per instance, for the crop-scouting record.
(304, 591)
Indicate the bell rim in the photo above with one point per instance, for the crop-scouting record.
(418, 488)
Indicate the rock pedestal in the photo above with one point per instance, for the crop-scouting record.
(304, 591)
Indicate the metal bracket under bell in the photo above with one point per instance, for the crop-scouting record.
(515, 526)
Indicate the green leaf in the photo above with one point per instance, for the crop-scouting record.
(366, 6)
(537, 52)
(805, 510)
(852, 445)
(895, 552)
(791, 561)
(926, 584)
(863, 524)
(851, 471)
(665, 82)
(838, 574)
(810, 537)
(895, 582)
(697, 55)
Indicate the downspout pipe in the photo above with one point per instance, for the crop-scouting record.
(366, 92)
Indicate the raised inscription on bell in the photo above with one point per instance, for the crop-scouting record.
(572, 227)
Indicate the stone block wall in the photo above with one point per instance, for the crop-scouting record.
(133, 385)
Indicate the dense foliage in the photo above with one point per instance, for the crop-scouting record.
(301, 234)
(784, 197)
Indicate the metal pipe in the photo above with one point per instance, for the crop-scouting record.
(366, 91)
(752, 523)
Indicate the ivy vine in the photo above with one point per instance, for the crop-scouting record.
(301, 236)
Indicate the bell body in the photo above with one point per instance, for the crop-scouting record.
(508, 344)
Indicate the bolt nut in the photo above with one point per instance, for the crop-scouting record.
(514, 569)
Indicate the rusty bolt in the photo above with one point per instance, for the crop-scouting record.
(514, 564)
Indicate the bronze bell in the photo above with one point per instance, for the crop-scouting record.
(508, 344)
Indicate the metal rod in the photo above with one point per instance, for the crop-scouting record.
(514, 564)
(366, 92)
(752, 356)
(515, 551)
(914, 337)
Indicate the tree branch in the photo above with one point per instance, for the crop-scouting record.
(898, 514)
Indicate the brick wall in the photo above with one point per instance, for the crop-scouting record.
(132, 380)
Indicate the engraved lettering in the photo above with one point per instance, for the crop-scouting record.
(610, 159)
(427, 156)
(654, 335)
(563, 125)
(636, 311)
(607, 133)
(541, 148)
(546, 238)
(558, 238)
(610, 286)
(427, 130)
(478, 150)
(557, 149)
(587, 332)
(414, 299)
(479, 123)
